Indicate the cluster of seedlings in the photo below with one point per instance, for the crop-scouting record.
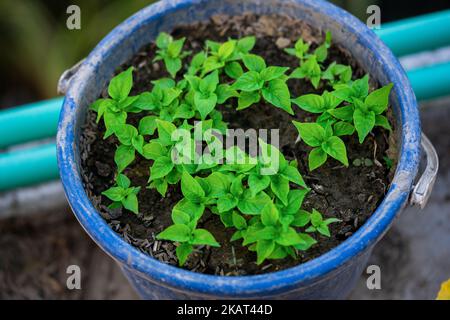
(260, 196)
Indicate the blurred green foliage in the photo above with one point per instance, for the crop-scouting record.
(37, 46)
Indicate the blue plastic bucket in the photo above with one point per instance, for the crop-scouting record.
(329, 276)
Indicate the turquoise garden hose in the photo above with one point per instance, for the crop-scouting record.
(29, 122)
(28, 166)
(431, 82)
(425, 32)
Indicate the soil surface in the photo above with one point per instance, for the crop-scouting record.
(350, 194)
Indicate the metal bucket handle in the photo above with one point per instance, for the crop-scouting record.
(67, 76)
(422, 189)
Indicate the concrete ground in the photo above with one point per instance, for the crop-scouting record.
(414, 256)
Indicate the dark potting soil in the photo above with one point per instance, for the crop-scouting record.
(350, 194)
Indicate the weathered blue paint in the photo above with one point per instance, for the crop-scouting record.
(331, 275)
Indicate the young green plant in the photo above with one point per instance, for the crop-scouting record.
(226, 56)
(171, 52)
(114, 110)
(262, 81)
(259, 196)
(311, 64)
(324, 142)
(363, 110)
(123, 194)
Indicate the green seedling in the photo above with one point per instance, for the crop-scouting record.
(207, 93)
(164, 151)
(310, 70)
(259, 196)
(114, 109)
(355, 90)
(325, 106)
(364, 111)
(226, 55)
(186, 215)
(273, 233)
(260, 80)
(131, 140)
(358, 162)
(284, 174)
(300, 49)
(311, 64)
(320, 225)
(171, 52)
(337, 74)
(389, 162)
(164, 95)
(324, 142)
(273, 240)
(123, 195)
(196, 64)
